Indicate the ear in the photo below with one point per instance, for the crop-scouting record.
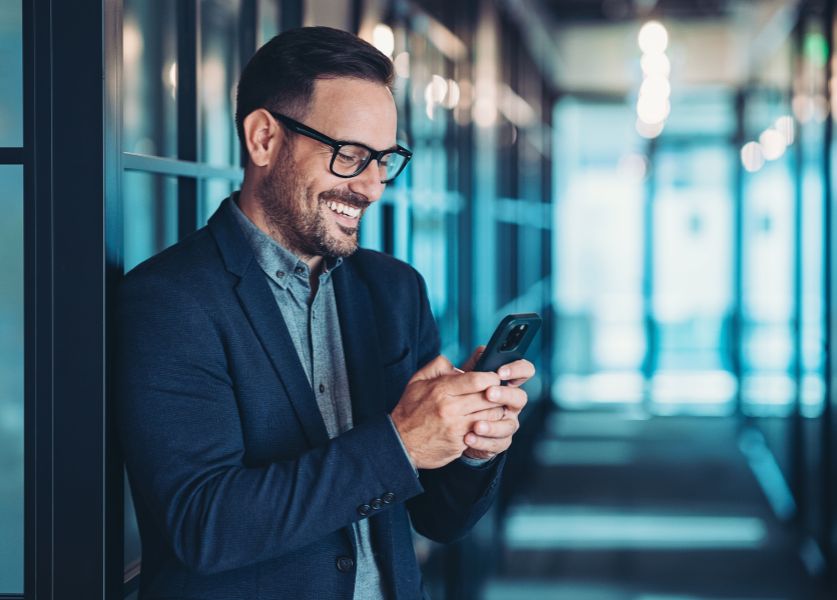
(262, 136)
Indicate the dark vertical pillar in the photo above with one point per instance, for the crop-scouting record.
(188, 57)
(69, 168)
(291, 14)
(37, 65)
(737, 318)
(651, 346)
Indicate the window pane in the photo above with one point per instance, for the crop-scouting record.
(150, 214)
(219, 75)
(211, 192)
(149, 58)
(11, 74)
(11, 380)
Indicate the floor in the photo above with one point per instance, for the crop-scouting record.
(630, 508)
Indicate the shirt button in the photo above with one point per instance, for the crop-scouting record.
(280, 274)
(377, 504)
(388, 498)
(364, 509)
(299, 270)
(322, 388)
(345, 564)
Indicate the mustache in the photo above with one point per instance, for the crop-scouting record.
(351, 199)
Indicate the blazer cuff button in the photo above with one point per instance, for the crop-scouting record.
(345, 564)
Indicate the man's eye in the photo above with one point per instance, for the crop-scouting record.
(347, 158)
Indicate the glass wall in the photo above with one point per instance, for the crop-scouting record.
(11, 300)
(11, 380)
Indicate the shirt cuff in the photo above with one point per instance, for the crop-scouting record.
(403, 447)
(476, 462)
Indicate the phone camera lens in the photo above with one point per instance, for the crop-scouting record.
(514, 337)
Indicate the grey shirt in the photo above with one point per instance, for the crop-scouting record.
(315, 330)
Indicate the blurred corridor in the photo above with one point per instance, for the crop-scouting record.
(654, 177)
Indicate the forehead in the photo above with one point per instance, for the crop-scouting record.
(354, 109)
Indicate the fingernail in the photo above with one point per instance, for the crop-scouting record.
(470, 439)
(493, 394)
(482, 427)
(503, 372)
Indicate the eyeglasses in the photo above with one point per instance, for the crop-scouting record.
(349, 159)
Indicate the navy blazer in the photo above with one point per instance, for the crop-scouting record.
(238, 491)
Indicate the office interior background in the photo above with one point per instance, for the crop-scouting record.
(654, 177)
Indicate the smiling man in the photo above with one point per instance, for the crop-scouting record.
(284, 411)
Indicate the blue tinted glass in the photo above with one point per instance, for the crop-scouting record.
(149, 82)
(11, 380)
(211, 192)
(219, 65)
(11, 74)
(150, 214)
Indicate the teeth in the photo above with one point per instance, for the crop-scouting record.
(339, 207)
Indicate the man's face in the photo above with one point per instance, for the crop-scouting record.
(315, 212)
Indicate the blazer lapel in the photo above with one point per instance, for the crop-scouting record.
(360, 342)
(266, 318)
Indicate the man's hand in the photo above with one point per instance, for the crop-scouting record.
(439, 407)
(490, 436)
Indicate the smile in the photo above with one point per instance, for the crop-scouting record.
(343, 209)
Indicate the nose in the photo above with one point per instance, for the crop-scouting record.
(368, 182)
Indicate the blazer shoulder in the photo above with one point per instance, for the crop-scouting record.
(379, 267)
(193, 263)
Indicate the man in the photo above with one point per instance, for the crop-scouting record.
(284, 412)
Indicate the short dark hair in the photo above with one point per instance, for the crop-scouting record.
(281, 74)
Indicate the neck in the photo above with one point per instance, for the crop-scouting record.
(249, 204)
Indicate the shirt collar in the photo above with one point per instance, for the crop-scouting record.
(280, 264)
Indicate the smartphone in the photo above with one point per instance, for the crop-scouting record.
(510, 341)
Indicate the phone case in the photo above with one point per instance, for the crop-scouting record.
(494, 356)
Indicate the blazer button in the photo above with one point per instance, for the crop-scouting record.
(364, 509)
(345, 564)
(388, 498)
(377, 504)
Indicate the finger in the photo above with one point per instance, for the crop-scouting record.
(435, 368)
(495, 413)
(517, 372)
(512, 397)
(471, 362)
(468, 404)
(496, 429)
(468, 383)
(486, 444)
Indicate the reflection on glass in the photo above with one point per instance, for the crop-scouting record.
(211, 192)
(11, 73)
(767, 343)
(597, 257)
(218, 77)
(149, 59)
(11, 380)
(150, 216)
(692, 279)
(268, 12)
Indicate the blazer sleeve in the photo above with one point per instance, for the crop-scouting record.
(184, 450)
(457, 495)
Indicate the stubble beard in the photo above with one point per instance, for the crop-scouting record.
(300, 220)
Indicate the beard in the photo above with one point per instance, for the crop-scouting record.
(301, 220)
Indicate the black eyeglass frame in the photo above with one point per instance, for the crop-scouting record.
(336, 145)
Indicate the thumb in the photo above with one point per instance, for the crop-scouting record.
(435, 368)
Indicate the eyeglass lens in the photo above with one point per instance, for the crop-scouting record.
(349, 160)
